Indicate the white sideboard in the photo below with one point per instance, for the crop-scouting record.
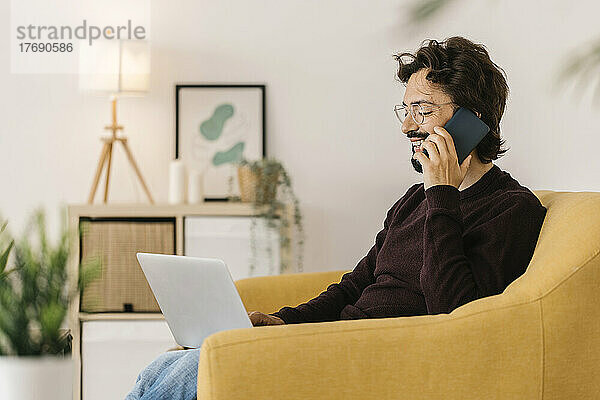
(111, 348)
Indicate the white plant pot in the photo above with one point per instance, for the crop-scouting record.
(36, 377)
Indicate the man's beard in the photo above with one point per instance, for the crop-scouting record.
(415, 163)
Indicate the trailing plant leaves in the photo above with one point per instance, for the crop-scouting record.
(271, 177)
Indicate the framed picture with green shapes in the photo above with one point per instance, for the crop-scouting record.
(217, 125)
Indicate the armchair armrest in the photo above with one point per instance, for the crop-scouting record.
(478, 351)
(268, 294)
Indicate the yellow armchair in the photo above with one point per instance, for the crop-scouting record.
(539, 339)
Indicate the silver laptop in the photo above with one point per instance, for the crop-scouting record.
(197, 296)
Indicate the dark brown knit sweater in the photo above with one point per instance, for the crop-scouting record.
(438, 249)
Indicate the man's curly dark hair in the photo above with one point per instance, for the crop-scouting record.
(464, 71)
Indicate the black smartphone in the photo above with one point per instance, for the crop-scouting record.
(466, 130)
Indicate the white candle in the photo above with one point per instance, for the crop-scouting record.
(176, 182)
(195, 187)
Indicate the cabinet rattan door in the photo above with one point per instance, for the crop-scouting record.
(122, 285)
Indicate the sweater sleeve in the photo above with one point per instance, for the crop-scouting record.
(328, 305)
(460, 267)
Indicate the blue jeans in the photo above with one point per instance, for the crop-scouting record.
(172, 375)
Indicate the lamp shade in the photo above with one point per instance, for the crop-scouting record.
(118, 67)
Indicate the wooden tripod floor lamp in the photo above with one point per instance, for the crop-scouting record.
(106, 158)
(121, 68)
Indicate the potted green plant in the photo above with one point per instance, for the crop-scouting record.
(260, 182)
(35, 293)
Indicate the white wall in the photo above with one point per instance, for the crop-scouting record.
(330, 92)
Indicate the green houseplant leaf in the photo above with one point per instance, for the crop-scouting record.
(423, 10)
(5, 253)
(35, 298)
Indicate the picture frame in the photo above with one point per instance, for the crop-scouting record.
(215, 126)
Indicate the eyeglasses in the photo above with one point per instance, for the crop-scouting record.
(418, 111)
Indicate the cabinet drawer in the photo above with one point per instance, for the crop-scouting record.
(114, 352)
(123, 286)
(229, 239)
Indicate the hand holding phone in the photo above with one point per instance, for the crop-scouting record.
(467, 130)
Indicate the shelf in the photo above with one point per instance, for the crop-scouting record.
(171, 210)
(119, 316)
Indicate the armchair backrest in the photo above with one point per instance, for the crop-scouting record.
(563, 280)
(569, 241)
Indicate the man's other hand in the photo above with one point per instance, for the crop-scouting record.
(259, 319)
